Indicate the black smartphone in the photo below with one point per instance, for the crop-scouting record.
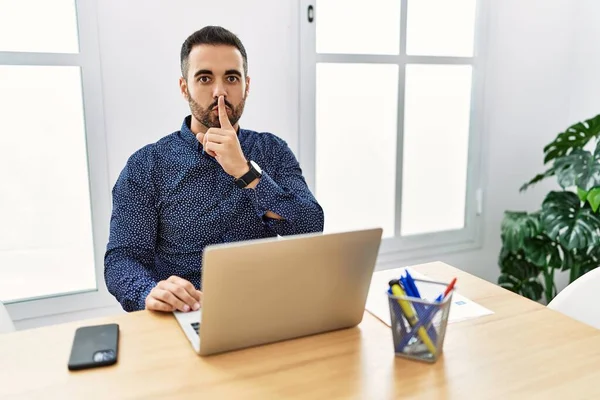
(94, 346)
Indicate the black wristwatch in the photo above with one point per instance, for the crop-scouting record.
(250, 176)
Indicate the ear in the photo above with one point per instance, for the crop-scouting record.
(183, 88)
(247, 86)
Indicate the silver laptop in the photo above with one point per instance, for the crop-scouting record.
(268, 290)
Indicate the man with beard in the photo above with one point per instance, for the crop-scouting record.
(210, 182)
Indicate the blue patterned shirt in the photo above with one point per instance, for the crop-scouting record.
(170, 201)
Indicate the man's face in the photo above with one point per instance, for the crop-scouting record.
(215, 71)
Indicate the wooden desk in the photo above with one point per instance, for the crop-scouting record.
(523, 351)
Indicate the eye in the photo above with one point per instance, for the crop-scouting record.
(232, 79)
(203, 79)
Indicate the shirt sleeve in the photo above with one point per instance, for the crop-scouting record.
(287, 195)
(129, 256)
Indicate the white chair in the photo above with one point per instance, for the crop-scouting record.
(579, 299)
(6, 324)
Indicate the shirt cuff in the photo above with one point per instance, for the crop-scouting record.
(265, 195)
(142, 299)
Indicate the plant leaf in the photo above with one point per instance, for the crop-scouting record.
(567, 167)
(575, 137)
(519, 276)
(518, 226)
(582, 194)
(593, 197)
(579, 168)
(565, 221)
(539, 177)
(542, 252)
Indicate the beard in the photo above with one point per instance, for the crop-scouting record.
(209, 119)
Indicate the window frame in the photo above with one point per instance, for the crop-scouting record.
(422, 245)
(88, 59)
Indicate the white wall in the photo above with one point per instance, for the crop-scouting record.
(542, 76)
(585, 77)
(140, 41)
(528, 91)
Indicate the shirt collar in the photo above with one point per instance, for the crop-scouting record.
(187, 134)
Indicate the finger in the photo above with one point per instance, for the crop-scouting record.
(157, 305)
(182, 282)
(199, 294)
(201, 137)
(272, 215)
(213, 148)
(187, 285)
(182, 294)
(205, 141)
(214, 137)
(169, 298)
(210, 153)
(218, 132)
(223, 118)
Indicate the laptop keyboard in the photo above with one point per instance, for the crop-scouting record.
(196, 326)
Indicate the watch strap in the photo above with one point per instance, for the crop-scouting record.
(248, 177)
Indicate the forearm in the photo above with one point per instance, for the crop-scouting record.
(285, 227)
(127, 277)
(269, 214)
(286, 212)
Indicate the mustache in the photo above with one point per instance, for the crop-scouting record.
(216, 104)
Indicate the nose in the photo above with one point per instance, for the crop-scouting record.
(219, 90)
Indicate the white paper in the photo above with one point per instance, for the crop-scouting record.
(377, 301)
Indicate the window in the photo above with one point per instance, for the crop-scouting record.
(390, 131)
(52, 158)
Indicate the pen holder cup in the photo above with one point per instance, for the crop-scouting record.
(419, 325)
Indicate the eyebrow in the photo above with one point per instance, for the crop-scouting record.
(233, 72)
(209, 72)
(203, 72)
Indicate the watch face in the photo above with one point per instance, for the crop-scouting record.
(256, 167)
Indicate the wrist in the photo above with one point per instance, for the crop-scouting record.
(241, 170)
(253, 184)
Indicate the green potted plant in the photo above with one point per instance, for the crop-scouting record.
(564, 235)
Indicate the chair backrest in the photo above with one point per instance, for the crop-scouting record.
(579, 299)
(6, 324)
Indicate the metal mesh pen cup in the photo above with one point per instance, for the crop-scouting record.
(419, 325)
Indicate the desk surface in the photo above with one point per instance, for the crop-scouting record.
(523, 351)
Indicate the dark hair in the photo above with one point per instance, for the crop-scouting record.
(212, 35)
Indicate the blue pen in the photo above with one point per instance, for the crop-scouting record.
(421, 309)
(411, 282)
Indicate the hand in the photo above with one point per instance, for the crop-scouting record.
(173, 294)
(223, 144)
